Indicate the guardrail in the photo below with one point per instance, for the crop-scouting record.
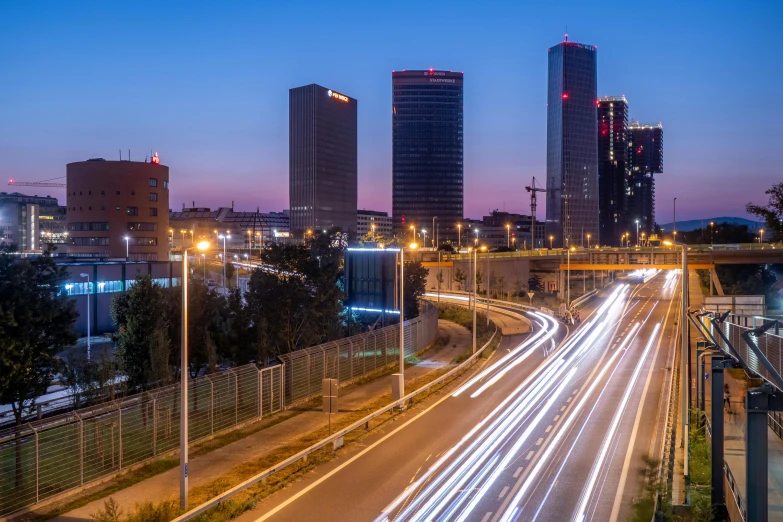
(734, 507)
(336, 439)
(769, 344)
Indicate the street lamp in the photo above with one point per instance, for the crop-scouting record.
(588, 241)
(637, 232)
(485, 249)
(459, 237)
(568, 282)
(644, 234)
(712, 233)
(761, 238)
(224, 237)
(434, 232)
(88, 313)
(412, 246)
(477, 232)
(475, 264)
(236, 258)
(685, 383)
(508, 236)
(551, 238)
(413, 229)
(127, 246)
(373, 232)
(424, 236)
(183, 412)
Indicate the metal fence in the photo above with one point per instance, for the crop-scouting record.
(355, 356)
(46, 457)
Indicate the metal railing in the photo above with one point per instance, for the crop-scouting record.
(769, 344)
(353, 357)
(49, 456)
(336, 439)
(46, 457)
(734, 507)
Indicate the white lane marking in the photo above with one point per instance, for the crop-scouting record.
(518, 471)
(627, 463)
(563, 408)
(556, 417)
(486, 517)
(548, 429)
(539, 441)
(503, 492)
(282, 505)
(569, 399)
(529, 455)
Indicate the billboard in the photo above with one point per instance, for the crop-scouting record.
(370, 279)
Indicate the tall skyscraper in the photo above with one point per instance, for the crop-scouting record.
(322, 160)
(612, 168)
(645, 157)
(572, 148)
(427, 166)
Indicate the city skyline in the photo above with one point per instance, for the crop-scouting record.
(215, 109)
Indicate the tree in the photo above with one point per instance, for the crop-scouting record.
(36, 323)
(772, 212)
(534, 284)
(439, 279)
(230, 273)
(519, 287)
(140, 314)
(415, 287)
(460, 278)
(719, 233)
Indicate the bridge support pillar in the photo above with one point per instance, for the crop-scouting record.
(759, 402)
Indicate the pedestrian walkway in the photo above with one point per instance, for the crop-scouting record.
(208, 467)
(734, 424)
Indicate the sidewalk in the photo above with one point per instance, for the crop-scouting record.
(208, 467)
(734, 450)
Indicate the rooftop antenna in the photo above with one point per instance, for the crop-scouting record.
(566, 33)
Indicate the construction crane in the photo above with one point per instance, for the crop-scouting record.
(533, 189)
(44, 183)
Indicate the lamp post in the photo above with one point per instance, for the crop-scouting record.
(674, 221)
(712, 233)
(183, 412)
(459, 237)
(637, 232)
(588, 241)
(508, 236)
(413, 232)
(249, 240)
(477, 233)
(89, 317)
(485, 249)
(685, 386)
(224, 237)
(551, 238)
(475, 263)
(402, 317)
(568, 282)
(236, 259)
(127, 247)
(761, 237)
(434, 232)
(373, 232)
(644, 234)
(424, 237)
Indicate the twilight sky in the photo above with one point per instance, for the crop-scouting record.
(205, 84)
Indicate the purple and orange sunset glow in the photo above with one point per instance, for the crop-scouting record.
(206, 87)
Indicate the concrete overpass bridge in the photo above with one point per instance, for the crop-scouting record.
(548, 263)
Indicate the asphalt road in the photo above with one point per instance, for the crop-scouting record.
(537, 433)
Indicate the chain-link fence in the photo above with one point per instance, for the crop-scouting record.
(355, 356)
(45, 457)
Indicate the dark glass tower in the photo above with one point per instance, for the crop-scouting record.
(322, 160)
(645, 157)
(612, 168)
(572, 148)
(427, 150)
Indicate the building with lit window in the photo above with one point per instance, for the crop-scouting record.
(645, 158)
(247, 229)
(322, 165)
(572, 146)
(427, 150)
(612, 168)
(118, 209)
(366, 219)
(30, 222)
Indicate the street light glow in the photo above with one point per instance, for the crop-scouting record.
(203, 245)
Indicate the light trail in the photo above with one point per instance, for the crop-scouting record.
(599, 462)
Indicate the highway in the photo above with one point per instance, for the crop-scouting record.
(544, 430)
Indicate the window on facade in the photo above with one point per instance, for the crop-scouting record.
(153, 182)
(143, 241)
(153, 196)
(165, 184)
(148, 227)
(153, 211)
(132, 211)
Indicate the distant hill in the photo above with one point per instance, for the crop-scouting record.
(693, 224)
